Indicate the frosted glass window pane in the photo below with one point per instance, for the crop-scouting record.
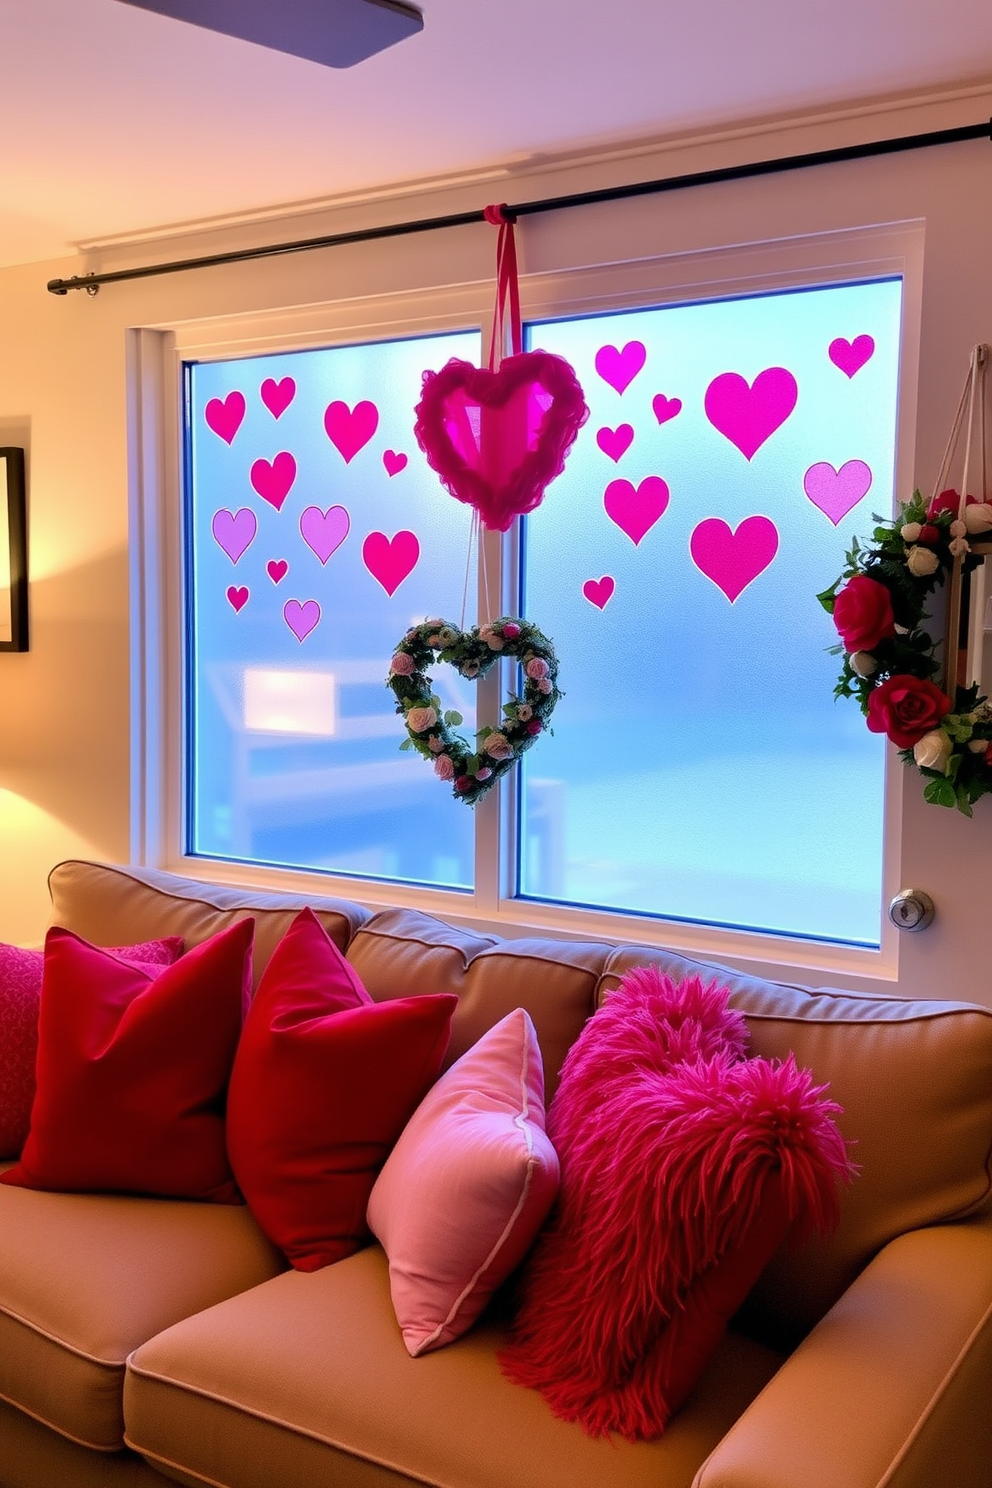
(316, 534)
(700, 768)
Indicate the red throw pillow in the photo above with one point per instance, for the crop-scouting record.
(133, 1069)
(324, 1081)
(681, 1174)
(20, 998)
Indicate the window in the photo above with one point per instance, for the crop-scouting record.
(700, 770)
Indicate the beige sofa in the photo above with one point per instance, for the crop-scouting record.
(144, 1337)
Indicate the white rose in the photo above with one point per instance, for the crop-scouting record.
(958, 528)
(911, 532)
(978, 746)
(418, 720)
(933, 751)
(864, 663)
(958, 547)
(922, 562)
(978, 517)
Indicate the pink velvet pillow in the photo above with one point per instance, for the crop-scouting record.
(467, 1186)
(132, 1070)
(20, 998)
(324, 1081)
(683, 1169)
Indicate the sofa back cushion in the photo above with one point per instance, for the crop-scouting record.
(914, 1080)
(94, 899)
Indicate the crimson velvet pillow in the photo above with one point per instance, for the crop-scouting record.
(20, 1000)
(683, 1168)
(324, 1081)
(133, 1068)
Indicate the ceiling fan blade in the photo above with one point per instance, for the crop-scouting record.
(336, 33)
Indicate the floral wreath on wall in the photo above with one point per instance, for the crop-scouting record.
(890, 661)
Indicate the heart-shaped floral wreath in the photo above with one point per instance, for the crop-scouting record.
(890, 659)
(473, 771)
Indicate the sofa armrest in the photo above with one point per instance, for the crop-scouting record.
(890, 1388)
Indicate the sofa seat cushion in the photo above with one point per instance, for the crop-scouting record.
(86, 1278)
(280, 1385)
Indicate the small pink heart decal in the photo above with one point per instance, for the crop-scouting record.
(615, 442)
(733, 559)
(390, 560)
(274, 481)
(324, 532)
(665, 408)
(836, 492)
(635, 512)
(745, 415)
(237, 598)
(350, 430)
(850, 356)
(301, 618)
(393, 461)
(619, 368)
(599, 591)
(277, 396)
(224, 418)
(277, 569)
(234, 531)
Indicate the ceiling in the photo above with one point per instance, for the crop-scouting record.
(114, 119)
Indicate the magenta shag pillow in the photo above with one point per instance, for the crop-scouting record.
(683, 1168)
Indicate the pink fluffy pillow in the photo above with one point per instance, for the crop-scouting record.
(467, 1186)
(20, 1000)
(684, 1167)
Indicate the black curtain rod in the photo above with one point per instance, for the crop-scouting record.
(91, 282)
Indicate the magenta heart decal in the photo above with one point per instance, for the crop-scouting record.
(390, 560)
(350, 429)
(393, 461)
(277, 569)
(619, 368)
(324, 531)
(498, 439)
(274, 481)
(615, 442)
(277, 396)
(733, 559)
(748, 415)
(234, 531)
(850, 356)
(665, 408)
(636, 511)
(836, 492)
(301, 618)
(237, 597)
(224, 417)
(599, 591)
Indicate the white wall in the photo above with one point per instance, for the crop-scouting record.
(64, 706)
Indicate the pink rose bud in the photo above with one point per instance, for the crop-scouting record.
(511, 631)
(484, 773)
(544, 684)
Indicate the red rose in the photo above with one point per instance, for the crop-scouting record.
(906, 708)
(863, 614)
(535, 726)
(949, 501)
(929, 534)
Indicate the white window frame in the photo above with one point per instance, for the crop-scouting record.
(155, 359)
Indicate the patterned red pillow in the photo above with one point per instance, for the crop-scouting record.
(683, 1168)
(20, 997)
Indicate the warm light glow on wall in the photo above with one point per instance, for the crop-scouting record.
(290, 702)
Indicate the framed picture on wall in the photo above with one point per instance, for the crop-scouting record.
(13, 552)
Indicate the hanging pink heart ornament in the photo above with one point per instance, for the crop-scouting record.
(499, 437)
